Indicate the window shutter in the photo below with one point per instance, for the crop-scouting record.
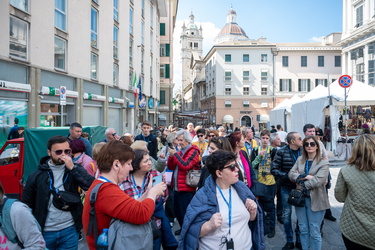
(308, 85)
(299, 84)
(371, 48)
(281, 85)
(325, 82)
(162, 29)
(167, 71)
(290, 85)
(167, 49)
(316, 82)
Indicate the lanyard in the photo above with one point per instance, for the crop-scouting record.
(294, 157)
(51, 182)
(249, 147)
(74, 159)
(229, 204)
(139, 193)
(307, 167)
(265, 156)
(104, 179)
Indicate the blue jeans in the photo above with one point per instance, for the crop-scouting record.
(66, 239)
(309, 224)
(287, 216)
(181, 202)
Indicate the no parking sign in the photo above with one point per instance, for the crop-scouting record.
(345, 81)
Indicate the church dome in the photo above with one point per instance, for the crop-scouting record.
(231, 31)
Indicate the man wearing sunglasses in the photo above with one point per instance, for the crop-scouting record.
(111, 135)
(283, 161)
(55, 174)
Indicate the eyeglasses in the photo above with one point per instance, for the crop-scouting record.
(211, 135)
(232, 167)
(309, 144)
(114, 134)
(299, 139)
(59, 152)
(200, 135)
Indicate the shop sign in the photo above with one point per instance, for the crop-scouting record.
(15, 86)
(56, 92)
(130, 104)
(142, 103)
(151, 103)
(93, 97)
(116, 100)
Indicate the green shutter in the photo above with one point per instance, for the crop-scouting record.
(308, 85)
(316, 82)
(325, 82)
(167, 71)
(281, 85)
(167, 49)
(162, 29)
(299, 85)
(162, 96)
(290, 85)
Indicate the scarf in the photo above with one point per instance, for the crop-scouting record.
(246, 168)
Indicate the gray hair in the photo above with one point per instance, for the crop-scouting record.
(273, 137)
(186, 134)
(171, 137)
(108, 131)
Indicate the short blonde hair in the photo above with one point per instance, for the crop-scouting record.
(363, 153)
(139, 145)
(96, 149)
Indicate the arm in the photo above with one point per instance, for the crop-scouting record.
(188, 160)
(211, 225)
(277, 164)
(29, 192)
(255, 158)
(26, 227)
(80, 175)
(341, 189)
(294, 173)
(319, 178)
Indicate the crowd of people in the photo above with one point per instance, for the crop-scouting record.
(243, 189)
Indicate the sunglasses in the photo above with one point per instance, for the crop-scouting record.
(232, 167)
(309, 144)
(200, 135)
(211, 136)
(114, 134)
(66, 151)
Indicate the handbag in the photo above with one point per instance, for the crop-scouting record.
(155, 230)
(65, 200)
(296, 198)
(192, 177)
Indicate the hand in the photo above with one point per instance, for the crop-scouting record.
(164, 178)
(159, 188)
(262, 153)
(117, 137)
(68, 161)
(162, 155)
(309, 177)
(215, 221)
(251, 205)
(171, 151)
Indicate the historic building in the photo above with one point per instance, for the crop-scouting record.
(100, 51)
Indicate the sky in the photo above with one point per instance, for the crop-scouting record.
(280, 21)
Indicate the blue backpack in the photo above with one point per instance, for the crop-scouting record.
(6, 221)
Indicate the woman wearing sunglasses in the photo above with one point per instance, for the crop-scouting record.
(224, 214)
(310, 172)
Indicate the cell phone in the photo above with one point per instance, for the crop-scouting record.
(170, 145)
(157, 179)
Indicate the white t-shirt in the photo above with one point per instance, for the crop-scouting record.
(240, 231)
(282, 135)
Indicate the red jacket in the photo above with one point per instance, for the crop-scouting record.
(184, 163)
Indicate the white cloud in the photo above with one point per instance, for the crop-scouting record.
(210, 31)
(315, 39)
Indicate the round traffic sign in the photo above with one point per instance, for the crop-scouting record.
(345, 81)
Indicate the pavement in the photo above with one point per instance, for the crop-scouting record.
(332, 239)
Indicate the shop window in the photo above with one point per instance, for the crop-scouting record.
(60, 53)
(18, 38)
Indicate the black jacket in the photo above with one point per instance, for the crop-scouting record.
(281, 164)
(37, 191)
(152, 144)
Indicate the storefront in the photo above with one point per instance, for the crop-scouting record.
(93, 102)
(115, 116)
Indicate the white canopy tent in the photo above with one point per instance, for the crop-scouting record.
(281, 113)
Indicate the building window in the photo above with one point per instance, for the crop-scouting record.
(162, 96)
(228, 104)
(196, 45)
(263, 58)
(94, 66)
(263, 91)
(18, 38)
(94, 28)
(60, 52)
(228, 57)
(165, 50)
(285, 61)
(358, 16)
(164, 71)
(323, 82)
(264, 76)
(245, 58)
(96, 1)
(162, 29)
(60, 14)
(142, 32)
(246, 104)
(246, 75)
(285, 85)
(371, 72)
(115, 42)
(320, 61)
(130, 79)
(151, 65)
(151, 41)
(115, 10)
(151, 15)
(142, 60)
(115, 74)
(356, 53)
(304, 85)
(20, 4)
(337, 61)
(360, 72)
(228, 90)
(131, 52)
(246, 91)
(131, 11)
(143, 8)
(303, 61)
(228, 76)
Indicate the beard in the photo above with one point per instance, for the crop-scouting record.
(57, 161)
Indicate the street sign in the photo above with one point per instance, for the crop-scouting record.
(345, 81)
(62, 95)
